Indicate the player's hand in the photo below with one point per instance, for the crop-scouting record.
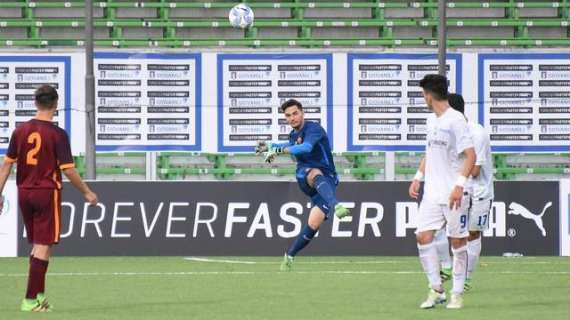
(455, 198)
(261, 147)
(414, 190)
(91, 197)
(272, 152)
(270, 156)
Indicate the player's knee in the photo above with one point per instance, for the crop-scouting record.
(316, 218)
(42, 251)
(312, 175)
(424, 238)
(314, 225)
(474, 235)
(419, 238)
(457, 243)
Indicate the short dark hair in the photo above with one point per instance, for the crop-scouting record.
(456, 102)
(436, 85)
(290, 103)
(46, 96)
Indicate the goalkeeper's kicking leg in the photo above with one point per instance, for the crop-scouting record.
(322, 190)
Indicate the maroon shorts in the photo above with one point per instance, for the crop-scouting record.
(41, 210)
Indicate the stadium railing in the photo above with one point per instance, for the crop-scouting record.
(180, 166)
(350, 165)
(117, 166)
(221, 166)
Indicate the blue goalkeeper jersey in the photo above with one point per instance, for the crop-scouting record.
(311, 147)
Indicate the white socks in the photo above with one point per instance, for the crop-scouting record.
(459, 269)
(474, 251)
(442, 245)
(430, 263)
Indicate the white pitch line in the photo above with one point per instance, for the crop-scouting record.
(301, 262)
(517, 262)
(219, 260)
(128, 274)
(196, 259)
(214, 273)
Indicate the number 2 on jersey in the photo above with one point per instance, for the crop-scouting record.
(35, 139)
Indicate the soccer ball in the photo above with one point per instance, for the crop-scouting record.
(241, 16)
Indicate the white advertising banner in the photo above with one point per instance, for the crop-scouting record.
(251, 87)
(20, 76)
(365, 101)
(524, 101)
(386, 108)
(148, 101)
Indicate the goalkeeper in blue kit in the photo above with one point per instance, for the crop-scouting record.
(316, 173)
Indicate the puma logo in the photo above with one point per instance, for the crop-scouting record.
(519, 210)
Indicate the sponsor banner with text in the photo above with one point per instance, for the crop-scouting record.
(263, 218)
(20, 76)
(524, 102)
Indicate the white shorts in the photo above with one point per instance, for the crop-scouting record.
(479, 214)
(434, 216)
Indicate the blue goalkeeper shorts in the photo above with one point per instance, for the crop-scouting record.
(316, 199)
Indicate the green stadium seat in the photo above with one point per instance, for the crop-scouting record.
(163, 23)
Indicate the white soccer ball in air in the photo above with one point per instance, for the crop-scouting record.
(241, 16)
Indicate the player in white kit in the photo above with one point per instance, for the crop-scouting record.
(480, 188)
(448, 161)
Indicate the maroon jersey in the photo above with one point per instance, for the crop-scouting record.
(41, 149)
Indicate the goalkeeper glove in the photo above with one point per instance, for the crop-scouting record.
(261, 147)
(272, 152)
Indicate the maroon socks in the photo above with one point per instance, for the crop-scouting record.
(36, 277)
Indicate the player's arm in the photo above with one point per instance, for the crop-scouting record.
(312, 137)
(295, 150)
(5, 173)
(468, 162)
(264, 146)
(78, 183)
(281, 145)
(67, 166)
(481, 145)
(414, 189)
(305, 147)
(476, 171)
(465, 146)
(9, 159)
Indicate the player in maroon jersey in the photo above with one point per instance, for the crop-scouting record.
(41, 152)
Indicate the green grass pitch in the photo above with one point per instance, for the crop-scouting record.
(252, 288)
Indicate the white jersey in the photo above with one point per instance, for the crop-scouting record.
(447, 137)
(481, 187)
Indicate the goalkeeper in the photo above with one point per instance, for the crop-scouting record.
(316, 173)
